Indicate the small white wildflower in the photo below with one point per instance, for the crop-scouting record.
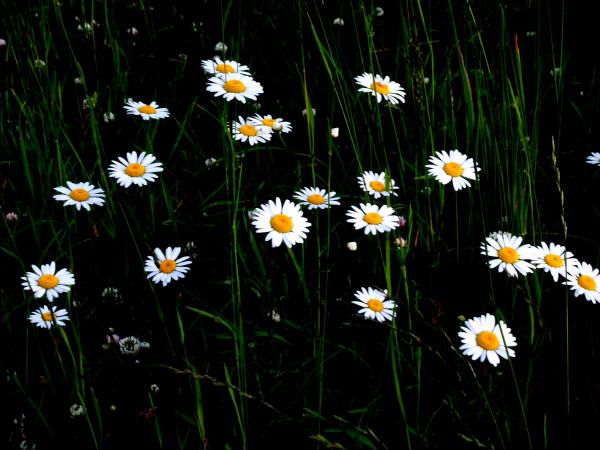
(77, 80)
(210, 162)
(275, 317)
(154, 388)
(2, 43)
(335, 132)
(220, 47)
(352, 246)
(338, 21)
(12, 217)
(133, 31)
(426, 80)
(379, 11)
(108, 117)
(76, 410)
(129, 345)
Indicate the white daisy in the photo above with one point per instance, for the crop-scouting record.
(147, 111)
(373, 219)
(453, 166)
(45, 280)
(243, 130)
(316, 198)
(164, 267)
(374, 305)
(45, 317)
(584, 279)
(594, 159)
(234, 86)
(509, 255)
(555, 259)
(216, 66)
(376, 184)
(382, 88)
(275, 124)
(136, 169)
(283, 223)
(80, 194)
(484, 339)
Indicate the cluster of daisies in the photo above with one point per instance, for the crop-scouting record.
(233, 81)
(133, 169)
(510, 255)
(483, 338)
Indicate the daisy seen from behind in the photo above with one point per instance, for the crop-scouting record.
(165, 267)
(374, 219)
(508, 254)
(316, 198)
(283, 223)
(234, 86)
(375, 184)
(135, 169)
(374, 305)
(584, 279)
(593, 158)
(452, 167)
(382, 88)
(45, 280)
(80, 194)
(147, 111)
(45, 317)
(216, 66)
(243, 131)
(554, 258)
(278, 124)
(483, 339)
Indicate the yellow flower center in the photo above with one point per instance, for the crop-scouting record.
(79, 195)
(373, 218)
(248, 130)
(453, 169)
(167, 266)
(586, 282)
(553, 260)
(235, 86)
(282, 223)
(147, 109)
(315, 199)
(380, 87)
(488, 340)
(375, 305)
(508, 255)
(268, 122)
(377, 186)
(225, 68)
(135, 170)
(48, 316)
(47, 281)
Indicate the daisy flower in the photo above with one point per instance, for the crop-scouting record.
(594, 159)
(483, 338)
(374, 305)
(136, 169)
(164, 267)
(382, 88)
(45, 280)
(244, 131)
(453, 166)
(216, 66)
(268, 121)
(151, 111)
(283, 223)
(316, 198)
(584, 279)
(555, 259)
(372, 218)
(45, 317)
(80, 194)
(234, 86)
(375, 184)
(509, 255)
